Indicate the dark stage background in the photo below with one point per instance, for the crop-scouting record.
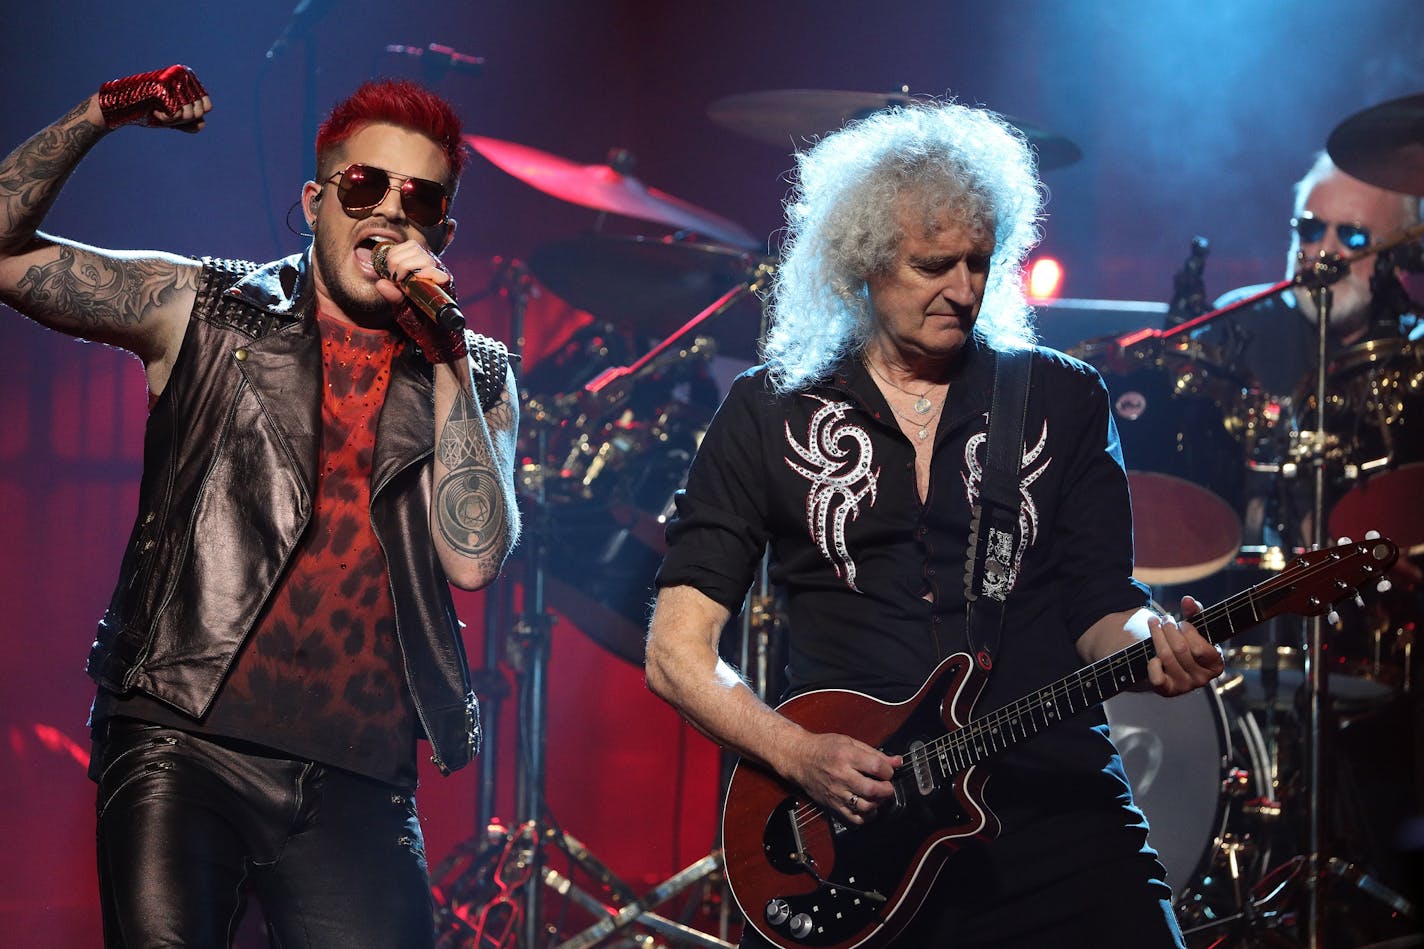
(1193, 118)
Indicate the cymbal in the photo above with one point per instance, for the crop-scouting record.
(606, 188)
(648, 285)
(785, 117)
(1383, 145)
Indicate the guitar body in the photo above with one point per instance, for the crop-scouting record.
(762, 837)
(801, 877)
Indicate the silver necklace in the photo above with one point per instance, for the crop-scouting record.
(924, 424)
(922, 401)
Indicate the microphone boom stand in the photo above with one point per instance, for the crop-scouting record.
(1315, 276)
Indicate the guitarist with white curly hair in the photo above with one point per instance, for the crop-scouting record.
(859, 453)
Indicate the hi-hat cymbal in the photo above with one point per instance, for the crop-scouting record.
(788, 117)
(606, 188)
(1383, 145)
(641, 284)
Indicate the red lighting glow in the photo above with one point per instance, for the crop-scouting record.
(1045, 279)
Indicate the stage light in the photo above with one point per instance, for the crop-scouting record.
(1045, 279)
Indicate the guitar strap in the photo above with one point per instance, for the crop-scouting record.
(993, 554)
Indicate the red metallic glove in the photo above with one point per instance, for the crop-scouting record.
(436, 343)
(133, 99)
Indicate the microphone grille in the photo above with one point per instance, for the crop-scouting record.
(378, 258)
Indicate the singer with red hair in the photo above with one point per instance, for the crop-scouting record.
(282, 631)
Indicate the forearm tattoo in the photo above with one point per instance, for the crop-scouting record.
(31, 176)
(470, 507)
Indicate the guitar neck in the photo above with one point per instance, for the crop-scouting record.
(1084, 689)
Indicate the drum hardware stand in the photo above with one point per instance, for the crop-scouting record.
(1311, 868)
(1326, 270)
(512, 281)
(528, 650)
(1315, 276)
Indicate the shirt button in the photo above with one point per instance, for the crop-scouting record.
(930, 571)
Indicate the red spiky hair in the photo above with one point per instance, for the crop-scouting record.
(398, 102)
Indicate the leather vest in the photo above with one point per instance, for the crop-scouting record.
(229, 474)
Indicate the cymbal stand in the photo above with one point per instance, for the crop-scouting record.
(1319, 682)
(1313, 869)
(528, 653)
(762, 626)
(1323, 271)
(512, 281)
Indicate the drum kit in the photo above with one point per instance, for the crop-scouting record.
(1274, 798)
(612, 418)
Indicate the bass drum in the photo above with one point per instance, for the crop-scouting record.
(1177, 756)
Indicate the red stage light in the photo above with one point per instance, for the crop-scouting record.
(1045, 279)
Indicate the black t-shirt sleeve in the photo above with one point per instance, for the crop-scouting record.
(719, 531)
(1094, 525)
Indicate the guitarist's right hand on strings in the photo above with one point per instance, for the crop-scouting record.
(844, 775)
(848, 777)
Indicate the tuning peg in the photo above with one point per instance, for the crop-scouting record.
(1359, 601)
(1333, 618)
(1345, 540)
(1384, 586)
(1372, 535)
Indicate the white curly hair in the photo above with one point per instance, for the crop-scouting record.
(842, 227)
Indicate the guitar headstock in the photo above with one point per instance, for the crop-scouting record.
(1316, 580)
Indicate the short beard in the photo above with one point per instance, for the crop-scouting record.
(371, 314)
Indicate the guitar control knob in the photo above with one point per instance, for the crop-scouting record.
(777, 912)
(801, 925)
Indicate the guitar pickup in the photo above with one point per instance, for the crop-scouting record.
(920, 767)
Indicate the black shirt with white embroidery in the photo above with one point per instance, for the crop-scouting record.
(827, 478)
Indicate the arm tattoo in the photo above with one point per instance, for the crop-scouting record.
(100, 291)
(469, 502)
(31, 176)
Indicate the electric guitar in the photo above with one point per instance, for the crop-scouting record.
(803, 877)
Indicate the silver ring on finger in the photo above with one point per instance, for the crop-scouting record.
(854, 800)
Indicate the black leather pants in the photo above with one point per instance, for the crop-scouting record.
(187, 825)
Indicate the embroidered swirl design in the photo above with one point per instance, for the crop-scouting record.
(837, 459)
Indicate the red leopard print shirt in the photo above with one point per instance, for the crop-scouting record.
(321, 676)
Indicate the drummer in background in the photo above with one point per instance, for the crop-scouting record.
(1275, 340)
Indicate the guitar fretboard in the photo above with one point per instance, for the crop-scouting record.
(1092, 685)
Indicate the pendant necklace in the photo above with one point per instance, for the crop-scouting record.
(923, 423)
(922, 400)
(922, 405)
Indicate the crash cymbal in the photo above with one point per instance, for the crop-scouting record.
(1383, 145)
(789, 117)
(607, 188)
(646, 285)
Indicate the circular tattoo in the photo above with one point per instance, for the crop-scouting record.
(469, 515)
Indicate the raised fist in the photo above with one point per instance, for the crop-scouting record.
(171, 97)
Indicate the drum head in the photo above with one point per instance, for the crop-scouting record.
(1174, 751)
(1181, 531)
(1389, 503)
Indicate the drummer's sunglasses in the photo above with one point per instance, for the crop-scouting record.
(363, 187)
(1312, 230)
